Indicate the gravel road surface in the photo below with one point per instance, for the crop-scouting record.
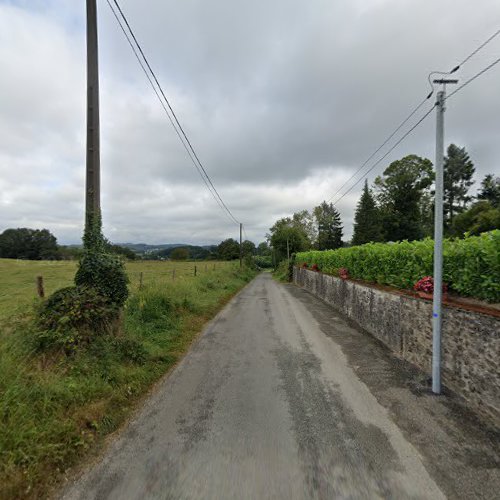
(281, 399)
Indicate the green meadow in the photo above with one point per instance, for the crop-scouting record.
(55, 409)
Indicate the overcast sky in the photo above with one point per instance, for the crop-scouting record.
(282, 99)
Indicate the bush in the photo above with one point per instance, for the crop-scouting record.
(263, 261)
(471, 266)
(72, 316)
(105, 273)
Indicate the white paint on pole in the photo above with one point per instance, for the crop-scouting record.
(438, 247)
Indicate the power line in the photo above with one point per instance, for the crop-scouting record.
(386, 154)
(472, 54)
(162, 103)
(184, 139)
(484, 70)
(458, 89)
(456, 68)
(382, 145)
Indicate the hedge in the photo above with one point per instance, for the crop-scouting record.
(471, 266)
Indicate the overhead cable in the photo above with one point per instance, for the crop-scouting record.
(458, 89)
(387, 153)
(172, 116)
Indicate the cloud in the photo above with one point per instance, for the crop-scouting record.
(283, 101)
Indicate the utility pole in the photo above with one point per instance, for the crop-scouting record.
(93, 178)
(288, 250)
(241, 246)
(438, 240)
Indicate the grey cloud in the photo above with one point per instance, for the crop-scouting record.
(283, 100)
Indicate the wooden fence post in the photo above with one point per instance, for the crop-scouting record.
(39, 287)
(195, 270)
(173, 274)
(140, 281)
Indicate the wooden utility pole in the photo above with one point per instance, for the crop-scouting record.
(93, 178)
(241, 247)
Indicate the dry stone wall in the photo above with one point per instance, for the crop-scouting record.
(470, 340)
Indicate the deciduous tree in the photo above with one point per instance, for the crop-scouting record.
(400, 190)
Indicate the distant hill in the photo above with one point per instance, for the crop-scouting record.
(145, 248)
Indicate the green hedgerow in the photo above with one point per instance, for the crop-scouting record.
(471, 266)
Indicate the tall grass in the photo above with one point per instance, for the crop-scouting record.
(55, 409)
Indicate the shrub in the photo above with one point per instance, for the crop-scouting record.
(98, 269)
(471, 266)
(263, 261)
(343, 273)
(105, 273)
(72, 316)
(426, 284)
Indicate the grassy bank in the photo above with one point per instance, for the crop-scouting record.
(54, 410)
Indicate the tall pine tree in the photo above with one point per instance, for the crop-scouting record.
(458, 172)
(367, 221)
(329, 226)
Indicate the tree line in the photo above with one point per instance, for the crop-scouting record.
(40, 244)
(398, 206)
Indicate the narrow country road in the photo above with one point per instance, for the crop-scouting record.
(281, 399)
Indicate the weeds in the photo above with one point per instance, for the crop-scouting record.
(54, 409)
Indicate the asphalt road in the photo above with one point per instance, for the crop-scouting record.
(276, 400)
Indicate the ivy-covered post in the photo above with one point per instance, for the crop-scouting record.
(92, 184)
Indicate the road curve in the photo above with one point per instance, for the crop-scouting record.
(265, 405)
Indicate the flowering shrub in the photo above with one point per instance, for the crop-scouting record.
(315, 267)
(304, 265)
(426, 284)
(343, 273)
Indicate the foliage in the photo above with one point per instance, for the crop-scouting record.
(98, 269)
(263, 249)
(70, 252)
(29, 244)
(426, 284)
(471, 266)
(248, 248)
(263, 261)
(194, 253)
(106, 274)
(179, 253)
(55, 409)
(282, 272)
(329, 226)
(289, 235)
(72, 316)
(490, 190)
(119, 250)
(367, 221)
(481, 217)
(458, 172)
(228, 250)
(400, 190)
(305, 220)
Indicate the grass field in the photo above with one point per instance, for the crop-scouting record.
(55, 409)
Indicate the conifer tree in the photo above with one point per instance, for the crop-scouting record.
(329, 226)
(458, 172)
(367, 221)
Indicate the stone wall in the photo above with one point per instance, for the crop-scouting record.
(470, 340)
